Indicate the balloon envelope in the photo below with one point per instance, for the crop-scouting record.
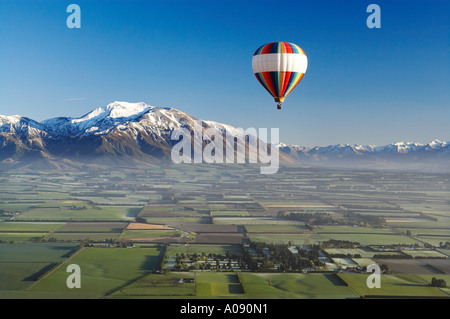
(279, 67)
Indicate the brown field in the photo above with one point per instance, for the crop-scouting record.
(209, 228)
(164, 240)
(220, 238)
(262, 231)
(138, 226)
(297, 206)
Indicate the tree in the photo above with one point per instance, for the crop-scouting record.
(440, 283)
(384, 268)
(141, 220)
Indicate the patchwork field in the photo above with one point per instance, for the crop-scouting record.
(300, 233)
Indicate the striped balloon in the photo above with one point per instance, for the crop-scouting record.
(279, 67)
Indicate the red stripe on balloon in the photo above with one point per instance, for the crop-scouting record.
(269, 83)
(285, 77)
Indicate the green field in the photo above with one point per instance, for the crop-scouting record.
(363, 262)
(393, 286)
(38, 252)
(21, 232)
(294, 239)
(96, 227)
(224, 285)
(59, 213)
(29, 227)
(21, 237)
(219, 213)
(22, 264)
(424, 254)
(306, 239)
(353, 230)
(277, 228)
(20, 275)
(294, 286)
(433, 240)
(159, 286)
(253, 221)
(103, 270)
(79, 236)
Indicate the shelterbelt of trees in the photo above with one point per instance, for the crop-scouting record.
(320, 218)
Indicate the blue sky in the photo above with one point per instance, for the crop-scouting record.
(362, 86)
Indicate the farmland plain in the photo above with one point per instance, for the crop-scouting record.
(214, 231)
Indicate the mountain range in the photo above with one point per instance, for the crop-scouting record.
(432, 156)
(137, 134)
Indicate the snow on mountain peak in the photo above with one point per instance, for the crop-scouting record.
(20, 124)
(11, 119)
(116, 110)
(126, 109)
(437, 143)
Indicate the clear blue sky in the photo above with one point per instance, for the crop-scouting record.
(363, 86)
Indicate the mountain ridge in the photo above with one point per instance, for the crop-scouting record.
(138, 133)
(401, 147)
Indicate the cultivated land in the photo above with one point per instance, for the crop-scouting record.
(224, 231)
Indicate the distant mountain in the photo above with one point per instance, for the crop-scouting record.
(137, 134)
(403, 155)
(435, 146)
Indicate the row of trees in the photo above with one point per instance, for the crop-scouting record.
(333, 243)
(355, 218)
(310, 218)
(322, 218)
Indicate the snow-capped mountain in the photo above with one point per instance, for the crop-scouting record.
(104, 120)
(20, 125)
(119, 132)
(139, 133)
(435, 146)
(99, 121)
(434, 155)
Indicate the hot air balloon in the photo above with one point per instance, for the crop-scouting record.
(279, 67)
